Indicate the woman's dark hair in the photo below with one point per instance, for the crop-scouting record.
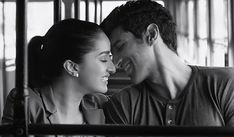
(68, 39)
(135, 16)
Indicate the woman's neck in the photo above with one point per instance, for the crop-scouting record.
(67, 98)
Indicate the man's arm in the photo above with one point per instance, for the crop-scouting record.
(114, 113)
(227, 102)
(118, 109)
(226, 97)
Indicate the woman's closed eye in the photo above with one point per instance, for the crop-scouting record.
(106, 58)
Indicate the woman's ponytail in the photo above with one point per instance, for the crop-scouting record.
(35, 61)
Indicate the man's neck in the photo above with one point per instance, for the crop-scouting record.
(176, 78)
(173, 74)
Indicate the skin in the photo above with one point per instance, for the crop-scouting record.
(93, 72)
(133, 55)
(97, 66)
(150, 59)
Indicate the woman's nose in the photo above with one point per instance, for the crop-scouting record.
(111, 68)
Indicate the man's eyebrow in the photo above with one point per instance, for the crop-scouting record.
(115, 43)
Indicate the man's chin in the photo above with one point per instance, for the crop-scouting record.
(135, 81)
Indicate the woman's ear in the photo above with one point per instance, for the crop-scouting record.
(71, 68)
(152, 33)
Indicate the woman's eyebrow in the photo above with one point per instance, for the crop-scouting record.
(104, 52)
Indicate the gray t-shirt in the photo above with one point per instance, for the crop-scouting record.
(207, 100)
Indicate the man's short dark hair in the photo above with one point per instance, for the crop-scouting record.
(135, 16)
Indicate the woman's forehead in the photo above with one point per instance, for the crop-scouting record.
(101, 45)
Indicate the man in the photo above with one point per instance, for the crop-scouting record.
(166, 91)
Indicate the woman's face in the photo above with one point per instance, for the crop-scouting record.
(97, 66)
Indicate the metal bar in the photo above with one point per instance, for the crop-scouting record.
(230, 33)
(210, 26)
(195, 27)
(6, 129)
(100, 1)
(123, 130)
(4, 73)
(227, 54)
(57, 10)
(87, 10)
(95, 11)
(130, 130)
(21, 98)
(77, 9)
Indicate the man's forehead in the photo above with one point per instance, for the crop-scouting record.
(116, 31)
(118, 35)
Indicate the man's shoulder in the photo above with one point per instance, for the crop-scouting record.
(220, 78)
(217, 72)
(129, 92)
(94, 100)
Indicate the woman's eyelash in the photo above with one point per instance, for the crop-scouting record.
(103, 60)
(106, 58)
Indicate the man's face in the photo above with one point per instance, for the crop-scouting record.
(132, 54)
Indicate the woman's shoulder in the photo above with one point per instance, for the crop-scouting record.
(32, 93)
(34, 103)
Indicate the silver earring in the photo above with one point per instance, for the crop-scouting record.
(75, 74)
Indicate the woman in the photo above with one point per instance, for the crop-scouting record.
(72, 59)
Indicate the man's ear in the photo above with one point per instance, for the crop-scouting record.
(71, 68)
(152, 33)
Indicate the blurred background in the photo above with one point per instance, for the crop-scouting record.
(204, 31)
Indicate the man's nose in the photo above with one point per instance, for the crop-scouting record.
(117, 62)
